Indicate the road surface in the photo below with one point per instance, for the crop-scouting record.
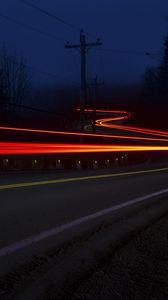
(36, 205)
(28, 210)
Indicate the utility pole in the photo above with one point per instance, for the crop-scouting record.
(96, 84)
(94, 104)
(83, 48)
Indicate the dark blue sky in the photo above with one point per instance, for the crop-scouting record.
(122, 25)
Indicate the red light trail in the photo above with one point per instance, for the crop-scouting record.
(150, 135)
(12, 148)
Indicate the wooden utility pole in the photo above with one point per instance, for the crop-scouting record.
(83, 48)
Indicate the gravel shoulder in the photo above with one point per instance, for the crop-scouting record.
(138, 271)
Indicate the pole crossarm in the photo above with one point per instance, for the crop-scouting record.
(87, 45)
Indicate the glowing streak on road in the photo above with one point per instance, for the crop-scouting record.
(78, 134)
(13, 148)
(106, 122)
(90, 110)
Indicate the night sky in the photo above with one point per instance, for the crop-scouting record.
(123, 26)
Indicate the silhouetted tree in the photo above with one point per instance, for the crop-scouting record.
(163, 73)
(155, 80)
(155, 92)
(14, 80)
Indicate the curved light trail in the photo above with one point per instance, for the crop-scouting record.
(131, 134)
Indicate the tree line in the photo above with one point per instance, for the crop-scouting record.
(15, 82)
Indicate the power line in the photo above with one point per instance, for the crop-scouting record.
(61, 39)
(35, 109)
(117, 51)
(29, 27)
(48, 74)
(34, 69)
(50, 14)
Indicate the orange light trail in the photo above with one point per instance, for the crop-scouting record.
(78, 134)
(149, 135)
(12, 148)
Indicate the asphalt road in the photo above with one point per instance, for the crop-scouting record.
(30, 210)
(40, 211)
